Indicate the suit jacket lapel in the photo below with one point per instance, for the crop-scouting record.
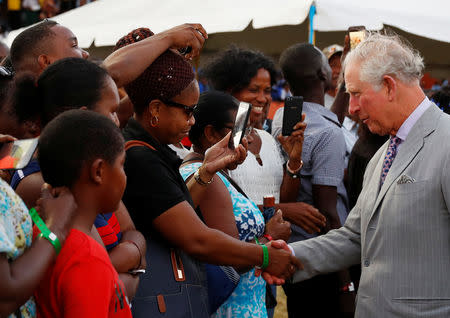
(408, 151)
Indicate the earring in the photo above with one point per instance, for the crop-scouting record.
(154, 121)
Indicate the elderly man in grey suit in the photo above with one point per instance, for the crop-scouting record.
(400, 227)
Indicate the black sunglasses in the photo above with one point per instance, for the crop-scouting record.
(6, 72)
(189, 110)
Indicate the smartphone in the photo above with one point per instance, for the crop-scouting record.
(292, 114)
(357, 34)
(17, 154)
(240, 123)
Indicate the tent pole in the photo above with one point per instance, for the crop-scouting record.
(312, 13)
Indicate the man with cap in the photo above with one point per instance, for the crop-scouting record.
(349, 127)
(333, 54)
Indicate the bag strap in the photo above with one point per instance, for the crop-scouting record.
(137, 143)
(233, 183)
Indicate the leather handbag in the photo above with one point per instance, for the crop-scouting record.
(174, 284)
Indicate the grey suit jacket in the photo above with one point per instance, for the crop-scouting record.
(400, 233)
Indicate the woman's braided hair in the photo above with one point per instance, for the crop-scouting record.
(164, 79)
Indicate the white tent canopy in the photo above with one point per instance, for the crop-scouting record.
(105, 21)
(425, 18)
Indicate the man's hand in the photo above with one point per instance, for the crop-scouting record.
(187, 35)
(278, 228)
(293, 144)
(304, 215)
(274, 278)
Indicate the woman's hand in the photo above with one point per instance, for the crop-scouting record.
(304, 215)
(293, 144)
(282, 264)
(6, 138)
(278, 228)
(188, 35)
(220, 156)
(57, 207)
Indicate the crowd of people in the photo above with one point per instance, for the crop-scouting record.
(15, 14)
(130, 222)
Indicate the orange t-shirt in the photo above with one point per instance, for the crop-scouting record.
(82, 283)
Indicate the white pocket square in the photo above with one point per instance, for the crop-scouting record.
(406, 179)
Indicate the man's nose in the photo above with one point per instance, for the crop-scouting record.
(353, 105)
(85, 54)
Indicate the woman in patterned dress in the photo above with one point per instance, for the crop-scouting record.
(225, 207)
(23, 263)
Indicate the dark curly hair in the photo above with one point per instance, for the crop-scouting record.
(233, 69)
(66, 84)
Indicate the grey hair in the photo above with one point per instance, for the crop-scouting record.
(381, 55)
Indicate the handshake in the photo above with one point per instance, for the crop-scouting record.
(282, 265)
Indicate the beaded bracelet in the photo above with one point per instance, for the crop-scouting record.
(265, 254)
(45, 231)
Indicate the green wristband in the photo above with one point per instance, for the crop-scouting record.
(45, 231)
(265, 254)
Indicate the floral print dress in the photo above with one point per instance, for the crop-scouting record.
(15, 233)
(249, 297)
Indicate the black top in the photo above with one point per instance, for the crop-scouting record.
(363, 150)
(154, 183)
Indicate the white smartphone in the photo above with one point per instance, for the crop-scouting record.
(17, 154)
(240, 123)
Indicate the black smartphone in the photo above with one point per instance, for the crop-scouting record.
(17, 154)
(292, 114)
(357, 34)
(240, 123)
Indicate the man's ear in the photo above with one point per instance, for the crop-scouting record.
(96, 171)
(390, 85)
(44, 61)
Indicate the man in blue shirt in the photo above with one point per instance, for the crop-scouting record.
(308, 73)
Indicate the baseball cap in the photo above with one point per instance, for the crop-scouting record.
(329, 51)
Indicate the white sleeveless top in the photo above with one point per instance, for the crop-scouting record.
(258, 181)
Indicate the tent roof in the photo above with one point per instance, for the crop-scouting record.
(105, 21)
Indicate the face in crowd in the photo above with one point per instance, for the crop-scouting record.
(257, 93)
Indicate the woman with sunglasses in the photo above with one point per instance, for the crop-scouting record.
(163, 206)
(225, 207)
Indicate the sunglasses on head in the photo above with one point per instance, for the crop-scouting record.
(189, 110)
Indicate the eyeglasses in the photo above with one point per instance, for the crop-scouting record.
(189, 110)
(6, 72)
